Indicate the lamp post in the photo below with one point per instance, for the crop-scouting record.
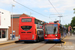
(60, 19)
(12, 21)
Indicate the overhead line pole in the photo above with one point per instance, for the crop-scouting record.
(60, 19)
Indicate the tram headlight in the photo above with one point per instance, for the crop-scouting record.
(45, 35)
(56, 35)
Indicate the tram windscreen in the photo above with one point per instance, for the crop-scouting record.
(26, 27)
(26, 20)
(51, 28)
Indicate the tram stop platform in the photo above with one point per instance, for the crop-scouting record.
(7, 42)
(69, 44)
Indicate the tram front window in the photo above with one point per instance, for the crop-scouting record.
(51, 28)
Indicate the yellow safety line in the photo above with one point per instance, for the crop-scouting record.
(64, 43)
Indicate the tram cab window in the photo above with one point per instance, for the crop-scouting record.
(51, 29)
(54, 30)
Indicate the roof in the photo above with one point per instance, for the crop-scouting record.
(16, 15)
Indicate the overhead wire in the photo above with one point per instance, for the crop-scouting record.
(29, 8)
(54, 7)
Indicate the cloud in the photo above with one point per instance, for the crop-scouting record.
(4, 3)
(64, 5)
(35, 3)
(45, 10)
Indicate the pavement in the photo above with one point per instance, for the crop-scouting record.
(69, 44)
(7, 42)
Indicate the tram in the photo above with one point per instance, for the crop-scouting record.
(54, 31)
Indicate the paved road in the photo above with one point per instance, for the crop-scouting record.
(68, 45)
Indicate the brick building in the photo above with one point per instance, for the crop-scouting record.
(15, 25)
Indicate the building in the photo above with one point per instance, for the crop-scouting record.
(15, 25)
(4, 24)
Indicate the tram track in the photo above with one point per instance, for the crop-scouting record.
(39, 46)
(17, 46)
(14, 46)
(52, 46)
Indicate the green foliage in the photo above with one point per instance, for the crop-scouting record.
(73, 22)
(67, 25)
(74, 10)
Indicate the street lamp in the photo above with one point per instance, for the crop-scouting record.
(60, 19)
(12, 21)
(58, 16)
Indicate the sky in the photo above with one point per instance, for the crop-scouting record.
(64, 7)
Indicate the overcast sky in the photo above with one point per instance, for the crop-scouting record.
(64, 7)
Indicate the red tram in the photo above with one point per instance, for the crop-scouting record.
(53, 31)
(30, 29)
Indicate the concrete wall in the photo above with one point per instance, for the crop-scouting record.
(5, 19)
(5, 22)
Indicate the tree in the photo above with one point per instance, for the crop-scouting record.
(73, 22)
(74, 10)
(67, 25)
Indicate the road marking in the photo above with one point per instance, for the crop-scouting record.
(7, 45)
(24, 47)
(64, 43)
(64, 38)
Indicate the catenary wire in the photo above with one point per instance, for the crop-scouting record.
(30, 8)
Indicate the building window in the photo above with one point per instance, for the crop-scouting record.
(2, 33)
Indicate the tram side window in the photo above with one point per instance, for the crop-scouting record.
(61, 30)
(39, 32)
